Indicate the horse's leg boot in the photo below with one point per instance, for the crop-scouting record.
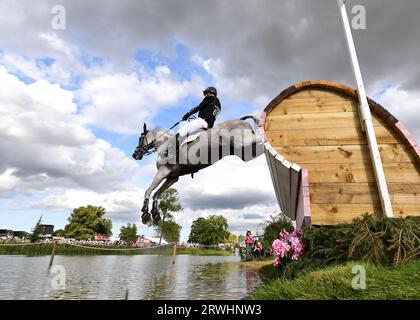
(145, 218)
(145, 208)
(155, 212)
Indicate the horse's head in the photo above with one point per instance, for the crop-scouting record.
(145, 144)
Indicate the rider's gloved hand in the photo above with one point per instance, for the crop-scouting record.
(185, 117)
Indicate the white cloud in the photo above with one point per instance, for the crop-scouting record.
(230, 188)
(19, 64)
(402, 104)
(120, 102)
(230, 178)
(121, 205)
(45, 146)
(233, 87)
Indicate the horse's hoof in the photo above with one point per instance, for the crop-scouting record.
(156, 217)
(145, 217)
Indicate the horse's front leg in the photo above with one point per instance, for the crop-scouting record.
(155, 212)
(161, 174)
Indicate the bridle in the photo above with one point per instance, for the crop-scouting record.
(149, 148)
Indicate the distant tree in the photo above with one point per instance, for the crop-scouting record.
(231, 238)
(37, 230)
(171, 231)
(59, 233)
(128, 233)
(241, 238)
(87, 222)
(209, 231)
(168, 205)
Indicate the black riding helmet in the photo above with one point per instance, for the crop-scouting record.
(211, 90)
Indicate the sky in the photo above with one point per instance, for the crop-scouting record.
(73, 100)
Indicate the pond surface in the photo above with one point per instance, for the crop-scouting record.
(120, 277)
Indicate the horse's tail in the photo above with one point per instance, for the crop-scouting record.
(250, 116)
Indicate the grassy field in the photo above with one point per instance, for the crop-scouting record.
(335, 282)
(63, 249)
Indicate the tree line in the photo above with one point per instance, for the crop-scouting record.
(87, 222)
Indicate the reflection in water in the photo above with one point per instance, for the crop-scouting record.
(143, 276)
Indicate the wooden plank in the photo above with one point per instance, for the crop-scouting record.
(344, 154)
(284, 178)
(277, 183)
(316, 93)
(303, 106)
(294, 187)
(272, 170)
(303, 209)
(337, 213)
(315, 121)
(362, 172)
(327, 137)
(363, 193)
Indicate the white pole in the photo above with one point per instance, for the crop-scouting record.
(366, 117)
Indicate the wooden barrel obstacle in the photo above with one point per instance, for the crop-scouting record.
(319, 159)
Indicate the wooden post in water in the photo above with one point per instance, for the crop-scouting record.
(52, 254)
(174, 254)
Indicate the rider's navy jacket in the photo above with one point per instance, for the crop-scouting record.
(208, 109)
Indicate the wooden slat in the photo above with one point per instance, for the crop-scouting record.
(327, 137)
(344, 154)
(316, 93)
(315, 121)
(284, 180)
(272, 170)
(294, 187)
(363, 193)
(303, 106)
(337, 213)
(362, 172)
(277, 183)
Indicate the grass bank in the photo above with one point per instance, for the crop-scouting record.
(387, 248)
(64, 249)
(335, 282)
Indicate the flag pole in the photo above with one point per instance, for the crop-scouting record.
(365, 115)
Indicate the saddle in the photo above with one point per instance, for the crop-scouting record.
(179, 144)
(192, 137)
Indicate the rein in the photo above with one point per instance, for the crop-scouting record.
(150, 147)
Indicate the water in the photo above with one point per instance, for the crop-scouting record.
(109, 277)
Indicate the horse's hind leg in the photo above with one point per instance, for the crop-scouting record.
(166, 185)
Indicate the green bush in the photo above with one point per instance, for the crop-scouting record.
(372, 238)
(273, 227)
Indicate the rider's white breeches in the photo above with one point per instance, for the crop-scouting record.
(192, 127)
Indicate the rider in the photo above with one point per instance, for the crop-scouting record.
(207, 110)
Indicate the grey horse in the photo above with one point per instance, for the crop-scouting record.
(230, 138)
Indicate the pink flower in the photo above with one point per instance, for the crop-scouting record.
(297, 233)
(287, 245)
(279, 248)
(284, 234)
(296, 244)
(296, 256)
(277, 261)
